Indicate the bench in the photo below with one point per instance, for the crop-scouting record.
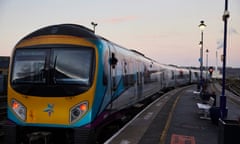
(205, 107)
(196, 94)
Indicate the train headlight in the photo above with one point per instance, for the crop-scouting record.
(19, 109)
(78, 111)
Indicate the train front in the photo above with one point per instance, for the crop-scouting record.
(51, 86)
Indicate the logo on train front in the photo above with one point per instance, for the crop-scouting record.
(49, 109)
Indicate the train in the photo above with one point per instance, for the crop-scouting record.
(65, 83)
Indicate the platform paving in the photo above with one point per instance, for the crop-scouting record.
(174, 119)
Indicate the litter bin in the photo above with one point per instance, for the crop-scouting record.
(229, 132)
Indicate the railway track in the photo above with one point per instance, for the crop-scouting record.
(232, 85)
(234, 96)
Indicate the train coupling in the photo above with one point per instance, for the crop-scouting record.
(42, 136)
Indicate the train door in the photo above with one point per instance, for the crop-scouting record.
(190, 76)
(174, 78)
(113, 60)
(139, 79)
(113, 72)
(162, 80)
(107, 78)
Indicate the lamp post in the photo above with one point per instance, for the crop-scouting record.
(94, 25)
(207, 64)
(202, 27)
(223, 108)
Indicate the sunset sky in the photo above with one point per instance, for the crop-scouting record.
(166, 31)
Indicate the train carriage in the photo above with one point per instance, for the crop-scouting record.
(194, 75)
(65, 82)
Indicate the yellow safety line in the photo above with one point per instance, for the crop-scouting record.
(164, 133)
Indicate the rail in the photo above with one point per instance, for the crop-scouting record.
(234, 87)
(236, 91)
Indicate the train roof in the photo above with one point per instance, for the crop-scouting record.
(67, 29)
(64, 29)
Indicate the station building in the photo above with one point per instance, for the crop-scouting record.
(4, 65)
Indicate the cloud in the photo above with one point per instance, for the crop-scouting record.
(219, 43)
(120, 19)
(233, 31)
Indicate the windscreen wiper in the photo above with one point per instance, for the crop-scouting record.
(54, 70)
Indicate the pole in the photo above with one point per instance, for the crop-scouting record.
(200, 78)
(207, 65)
(223, 109)
(201, 64)
(201, 26)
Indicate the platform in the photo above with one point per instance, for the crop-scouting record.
(174, 119)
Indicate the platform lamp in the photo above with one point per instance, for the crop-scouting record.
(94, 25)
(202, 27)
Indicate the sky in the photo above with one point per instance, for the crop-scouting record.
(164, 30)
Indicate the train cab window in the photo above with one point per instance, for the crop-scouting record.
(53, 70)
(72, 66)
(66, 66)
(29, 65)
